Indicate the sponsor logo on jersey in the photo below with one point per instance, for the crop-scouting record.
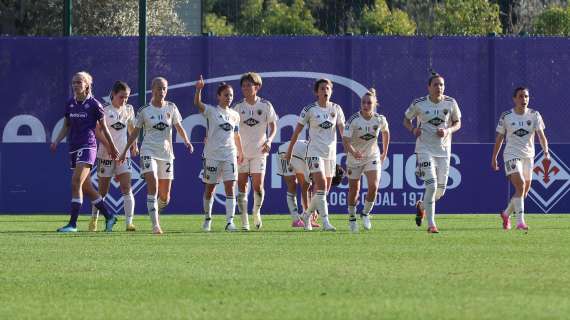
(367, 137)
(160, 126)
(81, 115)
(326, 125)
(251, 122)
(521, 133)
(114, 198)
(552, 181)
(118, 126)
(436, 121)
(226, 126)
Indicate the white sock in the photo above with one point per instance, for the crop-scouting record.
(367, 208)
(292, 205)
(208, 203)
(322, 206)
(518, 203)
(94, 212)
(510, 208)
(351, 213)
(429, 201)
(161, 205)
(258, 201)
(129, 207)
(152, 210)
(242, 202)
(230, 209)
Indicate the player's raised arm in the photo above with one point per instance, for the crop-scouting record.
(198, 95)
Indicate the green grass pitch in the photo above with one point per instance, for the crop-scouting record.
(471, 270)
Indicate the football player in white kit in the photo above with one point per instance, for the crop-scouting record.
(360, 141)
(222, 151)
(323, 118)
(437, 117)
(518, 126)
(120, 118)
(157, 156)
(295, 172)
(258, 123)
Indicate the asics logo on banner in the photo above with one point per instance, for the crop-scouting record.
(251, 122)
(118, 126)
(326, 125)
(160, 126)
(78, 115)
(552, 181)
(114, 198)
(226, 126)
(436, 121)
(520, 132)
(367, 137)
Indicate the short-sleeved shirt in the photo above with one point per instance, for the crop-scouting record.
(364, 135)
(432, 116)
(299, 149)
(519, 130)
(82, 117)
(254, 121)
(118, 121)
(157, 123)
(221, 126)
(322, 122)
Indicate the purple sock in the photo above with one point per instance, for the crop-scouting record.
(75, 206)
(103, 209)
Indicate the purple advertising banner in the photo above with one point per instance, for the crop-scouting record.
(481, 73)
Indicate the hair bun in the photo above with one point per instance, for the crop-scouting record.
(372, 91)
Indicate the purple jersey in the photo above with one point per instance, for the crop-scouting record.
(83, 117)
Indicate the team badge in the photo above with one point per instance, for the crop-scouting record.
(552, 181)
(445, 111)
(528, 123)
(316, 165)
(333, 114)
(259, 112)
(349, 171)
(375, 128)
(167, 115)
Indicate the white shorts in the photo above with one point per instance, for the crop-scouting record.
(295, 166)
(355, 172)
(318, 164)
(110, 168)
(430, 168)
(217, 170)
(162, 169)
(253, 165)
(522, 166)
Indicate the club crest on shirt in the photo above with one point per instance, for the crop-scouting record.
(445, 111)
(528, 123)
(333, 114)
(375, 127)
(259, 112)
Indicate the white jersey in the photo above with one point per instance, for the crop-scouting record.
(322, 122)
(220, 125)
(254, 120)
(519, 130)
(364, 135)
(432, 116)
(299, 149)
(118, 121)
(157, 123)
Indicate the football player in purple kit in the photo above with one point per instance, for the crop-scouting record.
(82, 114)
